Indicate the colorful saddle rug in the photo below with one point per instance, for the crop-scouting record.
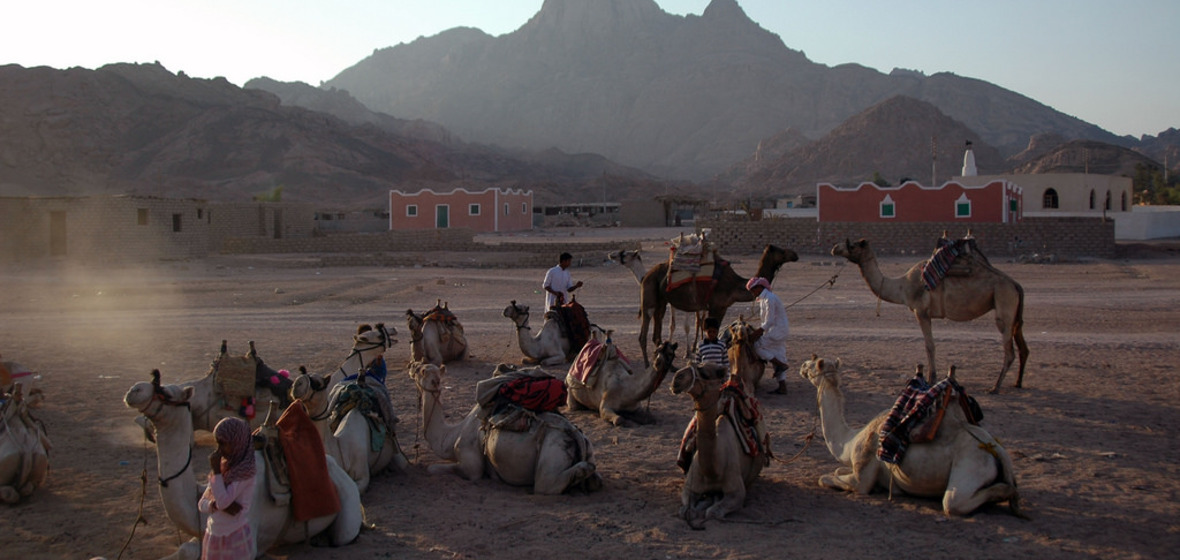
(741, 411)
(917, 414)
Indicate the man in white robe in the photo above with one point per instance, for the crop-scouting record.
(771, 341)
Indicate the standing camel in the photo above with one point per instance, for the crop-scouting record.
(963, 464)
(729, 289)
(958, 298)
(631, 260)
(721, 471)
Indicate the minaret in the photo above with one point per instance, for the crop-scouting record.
(969, 162)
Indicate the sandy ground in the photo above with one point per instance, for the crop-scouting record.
(1092, 433)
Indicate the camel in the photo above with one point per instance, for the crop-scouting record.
(963, 464)
(351, 442)
(552, 456)
(616, 392)
(24, 448)
(166, 408)
(958, 298)
(432, 339)
(633, 261)
(729, 289)
(721, 472)
(743, 360)
(549, 347)
(12, 374)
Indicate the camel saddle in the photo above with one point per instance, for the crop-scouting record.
(958, 257)
(575, 324)
(451, 333)
(359, 395)
(297, 468)
(918, 412)
(592, 357)
(513, 398)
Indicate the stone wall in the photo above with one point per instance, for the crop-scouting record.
(1070, 237)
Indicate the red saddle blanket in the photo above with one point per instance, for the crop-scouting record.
(312, 492)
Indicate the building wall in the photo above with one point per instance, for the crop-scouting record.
(1073, 192)
(912, 202)
(642, 213)
(1064, 237)
(497, 210)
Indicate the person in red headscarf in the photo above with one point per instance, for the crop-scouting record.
(771, 341)
(229, 494)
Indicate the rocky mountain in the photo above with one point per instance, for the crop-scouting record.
(677, 96)
(895, 138)
(1085, 156)
(139, 129)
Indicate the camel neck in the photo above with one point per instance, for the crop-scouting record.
(837, 434)
(706, 418)
(174, 444)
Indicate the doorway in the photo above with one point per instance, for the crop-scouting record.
(442, 216)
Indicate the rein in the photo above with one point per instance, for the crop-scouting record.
(830, 283)
(163, 399)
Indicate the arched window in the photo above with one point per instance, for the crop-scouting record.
(1050, 199)
(1123, 200)
(1091, 199)
(1106, 205)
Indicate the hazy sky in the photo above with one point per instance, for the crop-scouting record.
(1112, 63)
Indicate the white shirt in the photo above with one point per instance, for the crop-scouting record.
(559, 280)
(775, 327)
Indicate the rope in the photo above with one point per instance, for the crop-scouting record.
(806, 443)
(830, 283)
(139, 519)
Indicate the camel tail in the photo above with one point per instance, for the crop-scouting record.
(1018, 335)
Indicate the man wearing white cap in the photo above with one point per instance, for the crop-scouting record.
(771, 341)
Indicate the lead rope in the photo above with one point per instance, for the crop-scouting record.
(830, 283)
(139, 518)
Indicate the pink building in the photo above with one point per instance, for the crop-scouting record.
(996, 201)
(488, 210)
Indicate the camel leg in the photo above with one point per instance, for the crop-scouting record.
(842, 479)
(553, 479)
(1009, 351)
(553, 361)
(9, 495)
(1018, 336)
(611, 415)
(733, 496)
(928, 335)
(645, 319)
(571, 403)
(190, 550)
(963, 494)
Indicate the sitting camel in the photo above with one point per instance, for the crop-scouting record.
(436, 336)
(549, 347)
(721, 469)
(166, 408)
(963, 464)
(12, 374)
(350, 426)
(552, 456)
(613, 390)
(24, 448)
(958, 298)
(743, 359)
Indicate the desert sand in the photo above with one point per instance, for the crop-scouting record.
(1092, 433)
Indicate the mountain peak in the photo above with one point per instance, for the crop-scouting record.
(725, 10)
(596, 13)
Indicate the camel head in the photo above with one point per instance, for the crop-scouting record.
(665, 356)
(624, 257)
(371, 338)
(413, 321)
(518, 313)
(855, 252)
(306, 385)
(143, 395)
(817, 369)
(773, 258)
(427, 376)
(694, 378)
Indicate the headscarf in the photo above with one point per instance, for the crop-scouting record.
(757, 281)
(238, 462)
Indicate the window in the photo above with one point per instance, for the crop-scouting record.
(473, 209)
(176, 222)
(505, 208)
(411, 210)
(888, 209)
(142, 216)
(1050, 199)
(200, 213)
(1123, 200)
(1013, 206)
(1091, 199)
(1106, 205)
(524, 208)
(963, 206)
